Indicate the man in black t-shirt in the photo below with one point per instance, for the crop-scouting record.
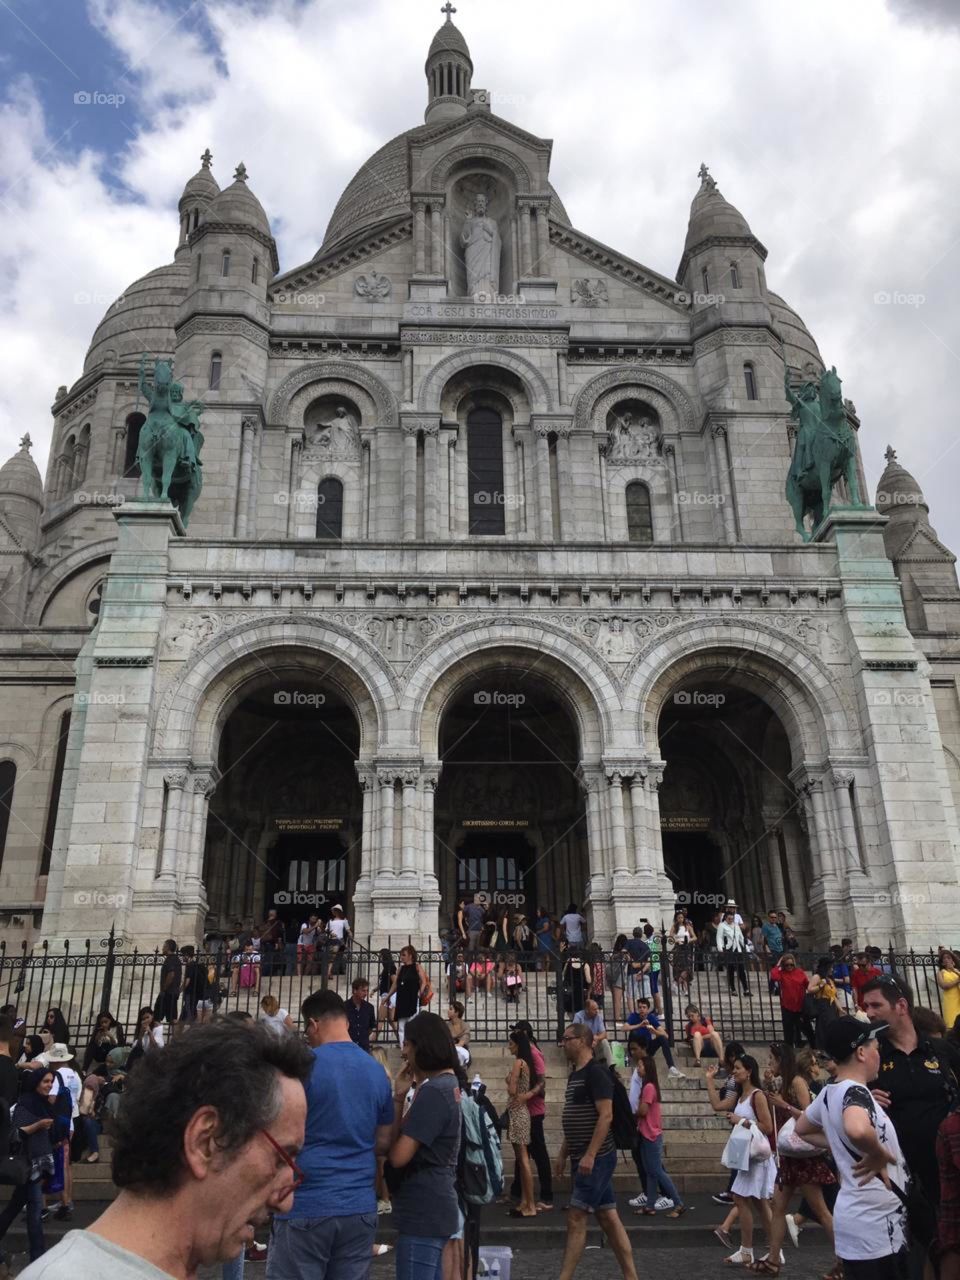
(361, 1015)
(588, 1141)
(171, 972)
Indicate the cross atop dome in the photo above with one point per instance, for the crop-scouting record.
(240, 173)
(448, 9)
(206, 158)
(890, 455)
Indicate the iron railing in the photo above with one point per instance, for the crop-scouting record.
(103, 975)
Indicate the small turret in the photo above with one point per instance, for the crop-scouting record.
(200, 190)
(21, 496)
(449, 70)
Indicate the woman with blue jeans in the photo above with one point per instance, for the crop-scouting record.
(33, 1116)
(650, 1131)
(423, 1149)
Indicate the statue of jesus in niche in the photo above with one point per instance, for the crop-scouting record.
(480, 238)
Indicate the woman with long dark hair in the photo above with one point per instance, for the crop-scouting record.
(107, 1035)
(56, 1024)
(752, 1187)
(33, 1117)
(424, 1146)
(410, 985)
(617, 975)
(789, 1095)
(824, 991)
(521, 1081)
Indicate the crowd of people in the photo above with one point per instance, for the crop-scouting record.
(851, 1120)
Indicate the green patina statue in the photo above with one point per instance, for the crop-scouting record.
(825, 450)
(170, 441)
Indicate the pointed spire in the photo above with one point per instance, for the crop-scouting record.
(240, 173)
(206, 158)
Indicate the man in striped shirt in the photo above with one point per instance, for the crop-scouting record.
(587, 1140)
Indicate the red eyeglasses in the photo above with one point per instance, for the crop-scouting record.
(299, 1177)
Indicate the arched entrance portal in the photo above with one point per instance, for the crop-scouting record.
(509, 816)
(731, 822)
(285, 821)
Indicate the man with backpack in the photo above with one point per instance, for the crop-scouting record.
(590, 1142)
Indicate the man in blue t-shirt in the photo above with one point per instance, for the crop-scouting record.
(330, 1227)
(649, 1030)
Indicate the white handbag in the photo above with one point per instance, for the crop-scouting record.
(789, 1144)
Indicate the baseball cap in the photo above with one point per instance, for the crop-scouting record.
(846, 1035)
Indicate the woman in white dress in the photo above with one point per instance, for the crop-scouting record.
(752, 1187)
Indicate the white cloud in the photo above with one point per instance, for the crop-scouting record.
(831, 134)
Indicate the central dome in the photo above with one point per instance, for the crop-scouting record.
(379, 192)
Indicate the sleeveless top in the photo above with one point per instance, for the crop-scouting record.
(408, 991)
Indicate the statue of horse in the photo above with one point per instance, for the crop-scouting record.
(825, 451)
(168, 451)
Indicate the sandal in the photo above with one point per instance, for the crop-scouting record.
(515, 1213)
(678, 1212)
(764, 1267)
(836, 1273)
(742, 1258)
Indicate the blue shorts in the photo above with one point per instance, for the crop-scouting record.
(593, 1192)
(654, 982)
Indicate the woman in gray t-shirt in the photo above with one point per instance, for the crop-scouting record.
(424, 1148)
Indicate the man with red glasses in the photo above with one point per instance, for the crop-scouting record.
(205, 1150)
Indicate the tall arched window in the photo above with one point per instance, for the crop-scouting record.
(734, 276)
(81, 455)
(216, 363)
(255, 271)
(705, 280)
(750, 381)
(196, 219)
(50, 828)
(225, 263)
(8, 777)
(131, 467)
(330, 508)
(486, 513)
(199, 261)
(639, 515)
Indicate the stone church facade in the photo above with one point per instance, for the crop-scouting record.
(491, 585)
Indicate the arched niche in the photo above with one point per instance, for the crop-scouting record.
(479, 176)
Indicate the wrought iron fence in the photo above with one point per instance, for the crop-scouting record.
(738, 996)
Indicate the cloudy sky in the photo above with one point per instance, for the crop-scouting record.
(831, 126)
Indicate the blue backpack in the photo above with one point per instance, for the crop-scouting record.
(481, 1164)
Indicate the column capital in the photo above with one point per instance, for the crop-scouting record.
(589, 777)
(842, 778)
(623, 769)
(176, 780)
(545, 424)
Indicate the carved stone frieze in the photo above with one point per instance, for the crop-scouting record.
(374, 286)
(481, 337)
(589, 291)
(223, 324)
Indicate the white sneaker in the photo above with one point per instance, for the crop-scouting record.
(638, 1202)
(793, 1231)
(676, 1073)
(664, 1203)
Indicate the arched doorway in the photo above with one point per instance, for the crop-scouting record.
(509, 816)
(284, 825)
(732, 823)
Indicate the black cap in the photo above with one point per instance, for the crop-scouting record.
(846, 1035)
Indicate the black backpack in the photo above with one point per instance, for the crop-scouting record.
(62, 1111)
(14, 1163)
(623, 1125)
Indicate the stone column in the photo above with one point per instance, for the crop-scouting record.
(511, 503)
(204, 785)
(431, 482)
(543, 240)
(430, 779)
(462, 509)
(409, 482)
(175, 785)
(849, 845)
(617, 822)
(725, 491)
(410, 834)
(523, 213)
(368, 779)
(119, 449)
(821, 852)
(295, 443)
(670, 454)
(386, 779)
(248, 431)
(419, 237)
(545, 504)
(777, 887)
